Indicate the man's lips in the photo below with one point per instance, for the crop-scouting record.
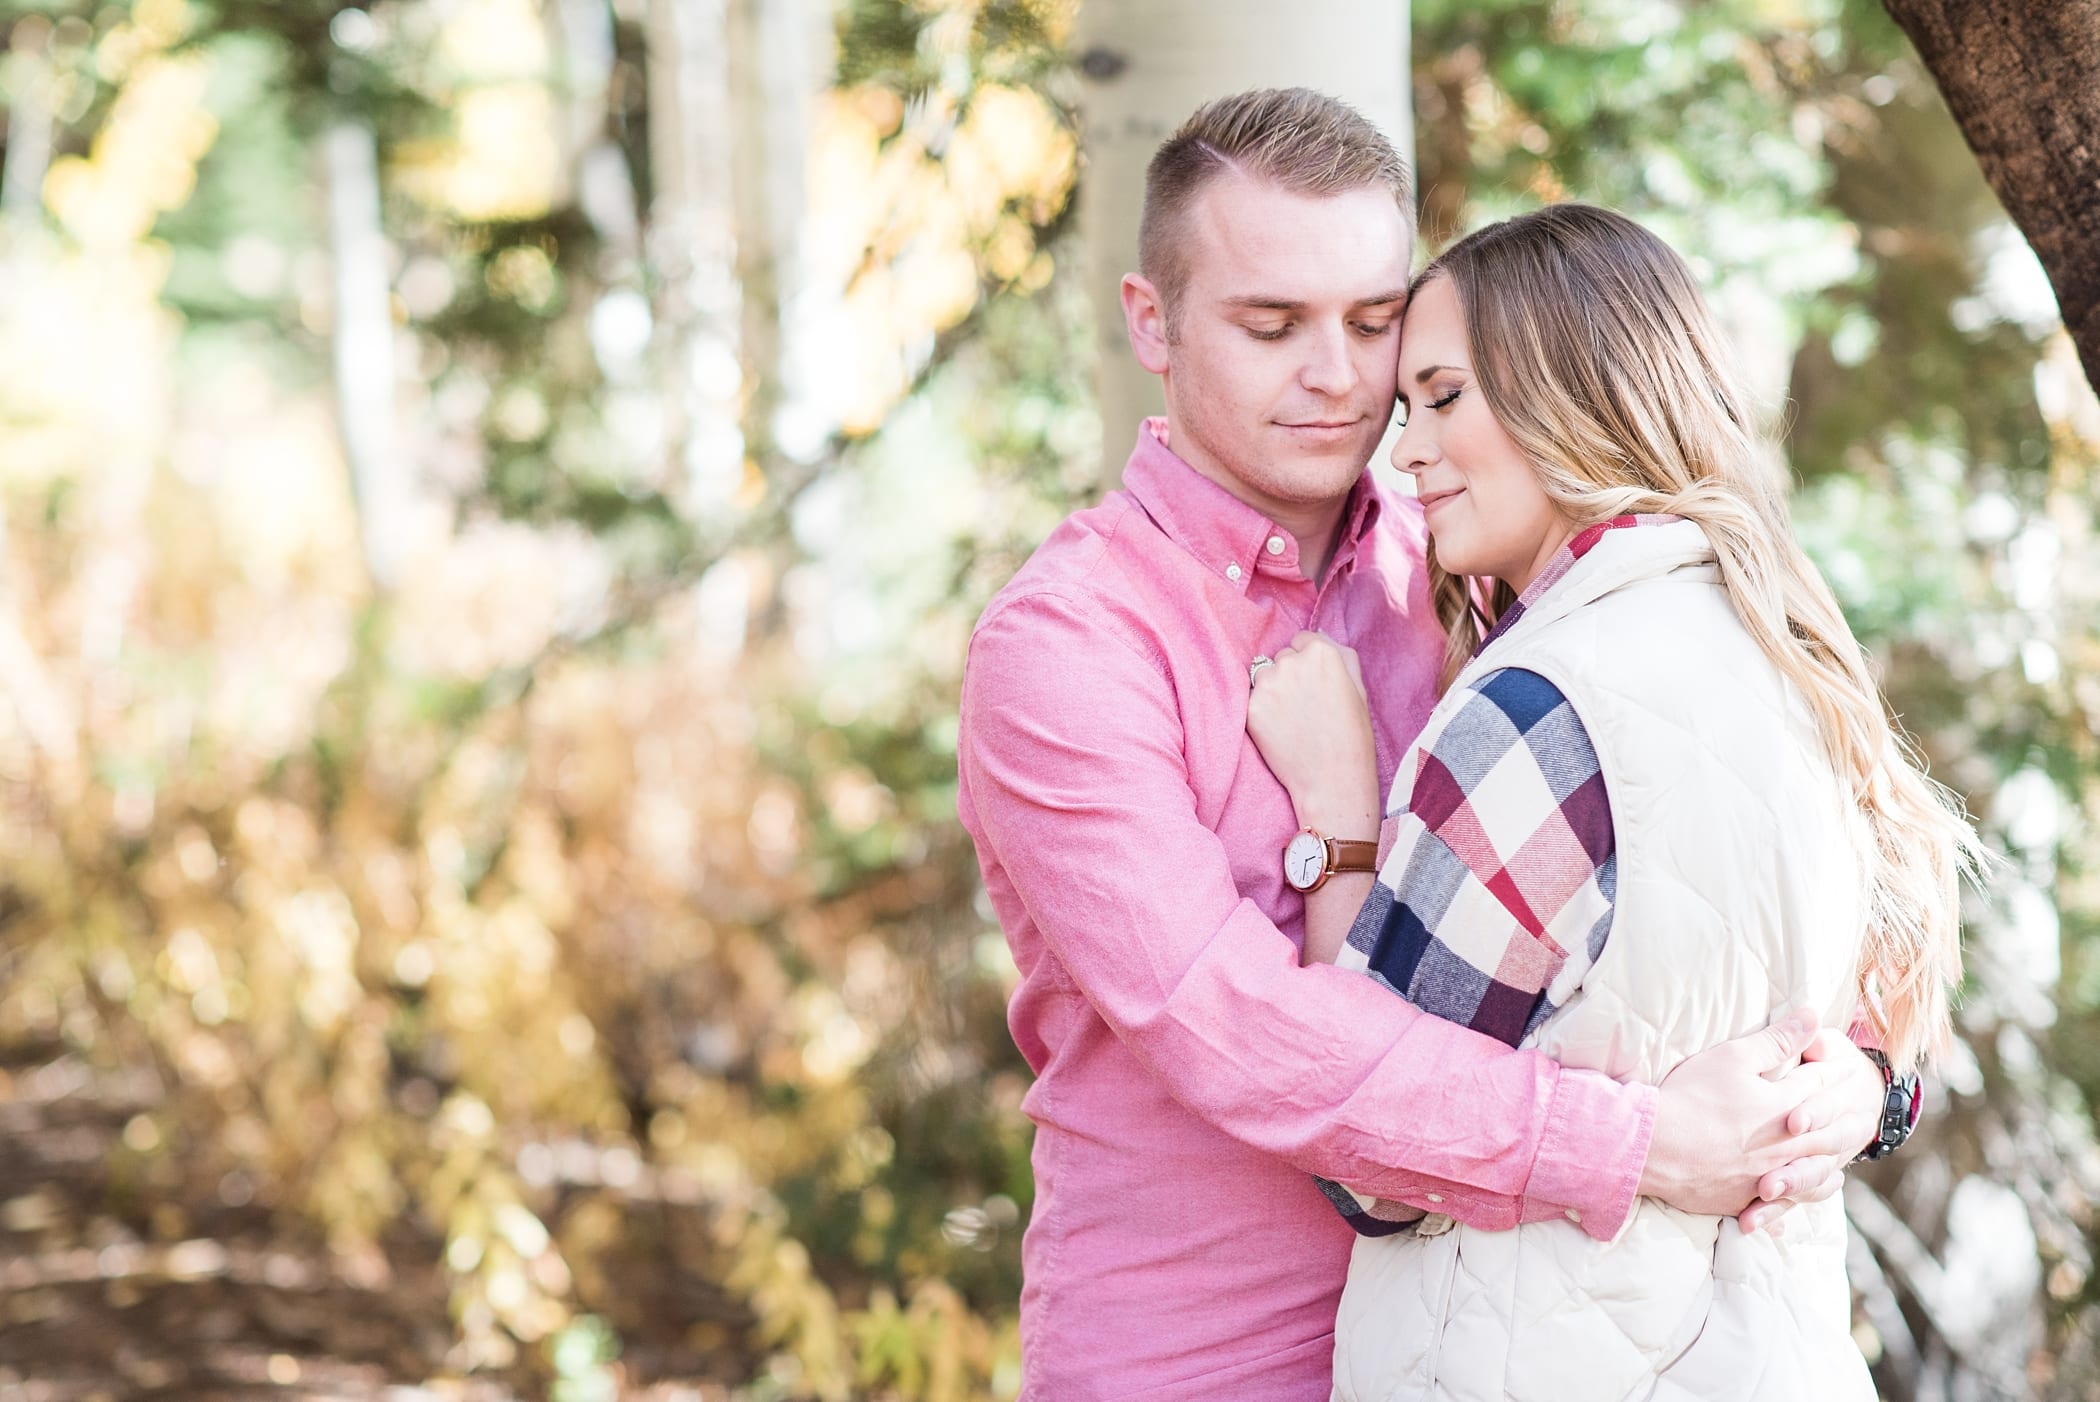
(1323, 428)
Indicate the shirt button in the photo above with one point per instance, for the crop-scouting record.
(1275, 545)
(1232, 572)
(1572, 1215)
(1436, 1197)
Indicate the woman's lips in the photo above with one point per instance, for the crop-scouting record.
(1431, 500)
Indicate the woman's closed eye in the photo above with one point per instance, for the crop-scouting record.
(1442, 401)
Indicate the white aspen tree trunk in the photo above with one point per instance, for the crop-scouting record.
(695, 241)
(775, 75)
(363, 350)
(1148, 64)
(580, 37)
(592, 162)
(593, 171)
(757, 200)
(669, 231)
(28, 125)
(691, 244)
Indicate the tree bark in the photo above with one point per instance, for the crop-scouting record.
(1150, 63)
(2023, 81)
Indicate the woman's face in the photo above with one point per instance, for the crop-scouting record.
(1484, 505)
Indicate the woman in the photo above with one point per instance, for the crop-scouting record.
(1657, 805)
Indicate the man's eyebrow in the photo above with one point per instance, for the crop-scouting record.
(1258, 302)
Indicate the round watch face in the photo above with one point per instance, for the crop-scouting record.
(1304, 858)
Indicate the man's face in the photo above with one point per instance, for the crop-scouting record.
(1280, 374)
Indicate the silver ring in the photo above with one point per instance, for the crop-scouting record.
(1254, 667)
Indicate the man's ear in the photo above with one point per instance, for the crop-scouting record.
(1145, 314)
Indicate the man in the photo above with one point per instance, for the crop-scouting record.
(1191, 1075)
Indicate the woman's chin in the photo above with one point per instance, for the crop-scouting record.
(1455, 559)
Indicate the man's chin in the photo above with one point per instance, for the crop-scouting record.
(1310, 482)
(1344, 459)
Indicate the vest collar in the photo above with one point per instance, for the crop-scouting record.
(1602, 559)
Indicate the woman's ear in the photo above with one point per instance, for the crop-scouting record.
(1145, 315)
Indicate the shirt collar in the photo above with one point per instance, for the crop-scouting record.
(1231, 538)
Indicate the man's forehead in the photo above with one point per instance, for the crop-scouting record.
(1254, 239)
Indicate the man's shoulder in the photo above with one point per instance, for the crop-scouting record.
(1079, 567)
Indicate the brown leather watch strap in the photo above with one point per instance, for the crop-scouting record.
(1344, 855)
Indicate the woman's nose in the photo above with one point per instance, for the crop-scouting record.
(1413, 450)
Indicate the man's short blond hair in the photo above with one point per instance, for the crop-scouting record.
(1303, 141)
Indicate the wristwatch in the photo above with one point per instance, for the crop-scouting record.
(1309, 859)
(1902, 1099)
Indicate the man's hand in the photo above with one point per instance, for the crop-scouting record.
(1742, 1117)
(1845, 1093)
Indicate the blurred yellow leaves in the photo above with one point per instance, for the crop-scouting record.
(933, 1350)
(321, 932)
(501, 160)
(911, 212)
(82, 348)
(142, 163)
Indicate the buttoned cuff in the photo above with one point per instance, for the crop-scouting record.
(1590, 1157)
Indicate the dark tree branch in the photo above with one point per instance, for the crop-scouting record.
(2022, 78)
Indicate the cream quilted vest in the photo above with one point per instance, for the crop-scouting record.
(1739, 898)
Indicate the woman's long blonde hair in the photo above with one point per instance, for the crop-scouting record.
(1598, 356)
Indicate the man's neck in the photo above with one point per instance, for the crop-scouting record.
(1316, 541)
(1316, 526)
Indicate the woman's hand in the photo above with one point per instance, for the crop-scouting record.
(1312, 722)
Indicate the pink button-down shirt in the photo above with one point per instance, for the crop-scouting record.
(1190, 1074)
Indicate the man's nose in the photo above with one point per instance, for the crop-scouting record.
(1331, 370)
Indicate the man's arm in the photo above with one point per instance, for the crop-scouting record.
(1071, 750)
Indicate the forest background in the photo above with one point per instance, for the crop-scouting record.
(495, 493)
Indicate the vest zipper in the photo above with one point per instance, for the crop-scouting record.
(1443, 1310)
